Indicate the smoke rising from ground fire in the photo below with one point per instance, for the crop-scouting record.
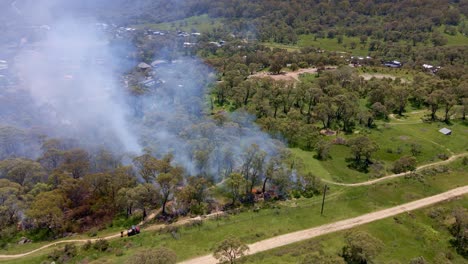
(72, 79)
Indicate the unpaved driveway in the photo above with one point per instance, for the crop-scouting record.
(151, 227)
(294, 237)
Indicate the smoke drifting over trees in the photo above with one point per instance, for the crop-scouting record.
(73, 74)
(175, 121)
(70, 86)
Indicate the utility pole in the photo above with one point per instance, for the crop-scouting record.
(323, 200)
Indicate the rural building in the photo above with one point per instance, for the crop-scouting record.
(144, 66)
(445, 131)
(150, 83)
(393, 64)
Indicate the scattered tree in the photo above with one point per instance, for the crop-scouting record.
(361, 247)
(229, 250)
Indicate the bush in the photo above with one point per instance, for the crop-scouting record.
(119, 252)
(93, 232)
(303, 64)
(465, 161)
(407, 163)
(101, 245)
(64, 255)
(157, 256)
(87, 246)
(443, 156)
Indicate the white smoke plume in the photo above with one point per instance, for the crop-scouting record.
(176, 120)
(71, 87)
(73, 73)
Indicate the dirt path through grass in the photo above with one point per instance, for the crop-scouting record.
(294, 237)
(392, 176)
(151, 227)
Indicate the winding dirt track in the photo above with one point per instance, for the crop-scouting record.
(151, 227)
(294, 237)
(391, 176)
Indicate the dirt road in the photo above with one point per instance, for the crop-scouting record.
(391, 176)
(151, 227)
(290, 238)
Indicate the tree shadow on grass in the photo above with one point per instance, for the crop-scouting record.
(361, 166)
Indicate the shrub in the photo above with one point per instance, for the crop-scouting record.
(157, 256)
(87, 246)
(407, 163)
(442, 156)
(64, 255)
(119, 252)
(101, 245)
(93, 232)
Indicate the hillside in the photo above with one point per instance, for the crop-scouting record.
(212, 125)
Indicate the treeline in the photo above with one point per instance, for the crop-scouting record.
(69, 189)
(281, 21)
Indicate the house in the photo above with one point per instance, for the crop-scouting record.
(150, 83)
(445, 131)
(189, 44)
(431, 68)
(428, 66)
(392, 64)
(144, 67)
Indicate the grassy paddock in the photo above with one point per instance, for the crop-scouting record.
(395, 139)
(405, 236)
(201, 23)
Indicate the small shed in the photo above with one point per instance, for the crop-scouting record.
(445, 131)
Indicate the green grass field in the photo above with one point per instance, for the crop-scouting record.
(324, 43)
(201, 23)
(395, 139)
(405, 236)
(275, 219)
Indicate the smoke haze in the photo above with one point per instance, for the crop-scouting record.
(70, 86)
(176, 121)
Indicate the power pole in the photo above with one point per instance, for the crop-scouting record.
(323, 200)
